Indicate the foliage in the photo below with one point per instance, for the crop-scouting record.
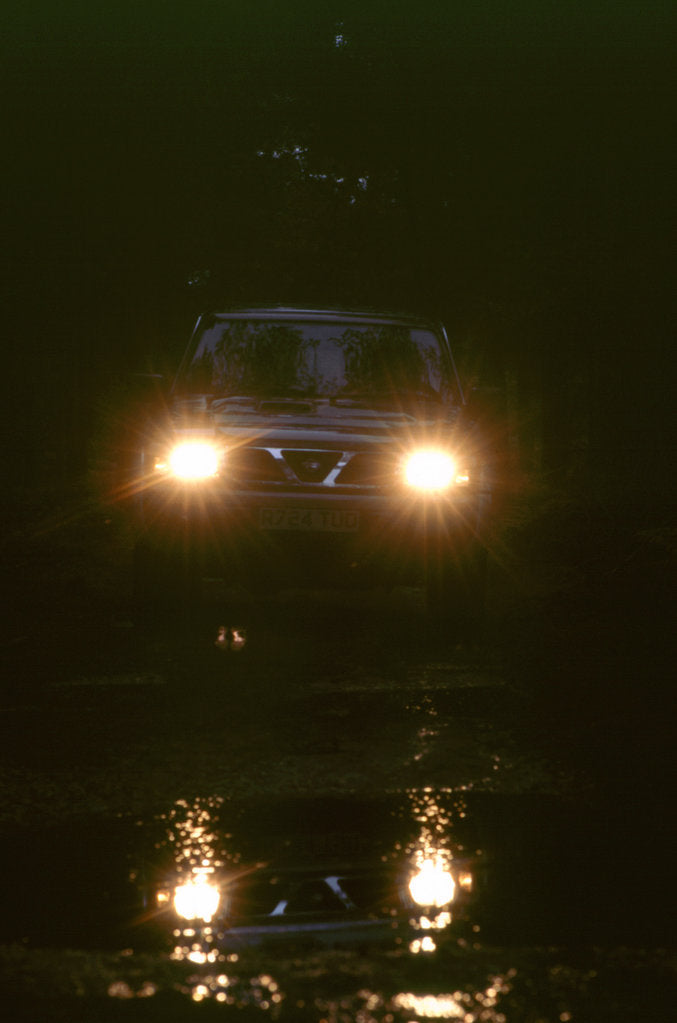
(381, 359)
(266, 358)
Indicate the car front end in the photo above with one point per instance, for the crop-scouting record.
(313, 446)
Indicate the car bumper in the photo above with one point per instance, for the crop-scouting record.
(310, 536)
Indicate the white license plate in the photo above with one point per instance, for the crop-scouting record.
(309, 519)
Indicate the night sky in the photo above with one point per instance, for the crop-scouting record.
(510, 166)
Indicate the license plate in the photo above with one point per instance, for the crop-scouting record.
(310, 519)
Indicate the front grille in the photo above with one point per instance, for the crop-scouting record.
(366, 468)
(256, 466)
(311, 466)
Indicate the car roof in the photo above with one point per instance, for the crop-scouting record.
(325, 315)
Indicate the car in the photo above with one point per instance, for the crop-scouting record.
(314, 447)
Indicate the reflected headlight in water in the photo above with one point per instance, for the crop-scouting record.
(191, 460)
(432, 885)
(432, 469)
(197, 899)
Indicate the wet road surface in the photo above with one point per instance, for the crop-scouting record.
(324, 696)
(316, 752)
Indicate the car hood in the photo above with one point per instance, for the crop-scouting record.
(333, 422)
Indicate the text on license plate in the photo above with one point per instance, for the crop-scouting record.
(316, 519)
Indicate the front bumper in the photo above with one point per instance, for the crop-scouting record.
(308, 535)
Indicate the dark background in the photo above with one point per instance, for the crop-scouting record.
(509, 167)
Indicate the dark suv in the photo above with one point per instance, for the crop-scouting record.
(314, 446)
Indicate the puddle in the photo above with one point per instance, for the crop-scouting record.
(494, 869)
(430, 903)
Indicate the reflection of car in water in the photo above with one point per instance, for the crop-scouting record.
(339, 906)
(304, 446)
(210, 891)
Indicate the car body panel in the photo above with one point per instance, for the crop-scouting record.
(313, 483)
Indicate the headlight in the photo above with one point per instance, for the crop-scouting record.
(197, 899)
(432, 885)
(192, 460)
(431, 470)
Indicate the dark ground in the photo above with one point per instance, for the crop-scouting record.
(567, 699)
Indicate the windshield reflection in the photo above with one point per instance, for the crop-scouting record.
(314, 359)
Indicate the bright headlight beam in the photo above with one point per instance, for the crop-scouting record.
(194, 460)
(432, 885)
(430, 470)
(197, 899)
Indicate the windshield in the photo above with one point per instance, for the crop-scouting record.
(315, 360)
